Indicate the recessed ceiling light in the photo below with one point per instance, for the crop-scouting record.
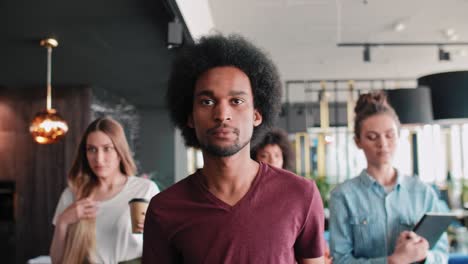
(399, 27)
(454, 37)
(449, 32)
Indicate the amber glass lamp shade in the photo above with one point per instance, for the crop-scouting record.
(48, 127)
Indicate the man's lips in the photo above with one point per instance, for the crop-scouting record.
(222, 131)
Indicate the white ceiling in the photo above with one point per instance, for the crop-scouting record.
(302, 35)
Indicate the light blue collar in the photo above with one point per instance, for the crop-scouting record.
(369, 181)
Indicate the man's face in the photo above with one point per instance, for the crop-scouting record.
(223, 113)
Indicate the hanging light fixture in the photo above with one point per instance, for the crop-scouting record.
(366, 54)
(47, 126)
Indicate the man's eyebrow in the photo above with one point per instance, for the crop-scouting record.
(210, 93)
(233, 93)
(204, 93)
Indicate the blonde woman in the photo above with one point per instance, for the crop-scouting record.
(92, 219)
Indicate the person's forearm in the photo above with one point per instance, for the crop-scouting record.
(58, 241)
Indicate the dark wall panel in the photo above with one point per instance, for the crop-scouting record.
(39, 171)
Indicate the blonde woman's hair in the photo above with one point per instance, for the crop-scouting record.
(80, 243)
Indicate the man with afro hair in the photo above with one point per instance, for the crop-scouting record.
(223, 94)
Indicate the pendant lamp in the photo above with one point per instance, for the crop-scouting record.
(449, 91)
(412, 105)
(48, 126)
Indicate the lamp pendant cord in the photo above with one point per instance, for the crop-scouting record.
(49, 74)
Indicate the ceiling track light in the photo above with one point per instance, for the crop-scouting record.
(366, 54)
(442, 54)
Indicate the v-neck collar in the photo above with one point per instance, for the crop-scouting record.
(206, 192)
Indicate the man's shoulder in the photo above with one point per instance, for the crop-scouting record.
(285, 176)
(178, 191)
(280, 179)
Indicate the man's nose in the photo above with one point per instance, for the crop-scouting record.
(222, 112)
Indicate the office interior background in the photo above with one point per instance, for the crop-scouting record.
(114, 57)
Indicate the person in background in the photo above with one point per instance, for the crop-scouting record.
(274, 149)
(223, 93)
(372, 214)
(92, 219)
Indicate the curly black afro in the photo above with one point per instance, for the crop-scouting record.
(217, 51)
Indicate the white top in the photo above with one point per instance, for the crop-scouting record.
(115, 241)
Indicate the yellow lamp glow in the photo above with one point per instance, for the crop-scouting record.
(48, 127)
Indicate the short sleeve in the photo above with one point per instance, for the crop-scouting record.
(152, 191)
(310, 242)
(65, 200)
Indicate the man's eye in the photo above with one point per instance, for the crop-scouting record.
(207, 102)
(237, 101)
(372, 137)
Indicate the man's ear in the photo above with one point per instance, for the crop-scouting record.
(190, 121)
(257, 118)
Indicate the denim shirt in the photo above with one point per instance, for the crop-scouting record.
(365, 221)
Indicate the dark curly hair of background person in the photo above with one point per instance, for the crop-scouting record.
(216, 51)
(278, 137)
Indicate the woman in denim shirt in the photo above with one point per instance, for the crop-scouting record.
(372, 214)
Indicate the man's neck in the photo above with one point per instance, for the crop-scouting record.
(229, 178)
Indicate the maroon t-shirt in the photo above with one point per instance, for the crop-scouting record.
(279, 219)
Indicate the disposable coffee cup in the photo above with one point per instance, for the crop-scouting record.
(138, 208)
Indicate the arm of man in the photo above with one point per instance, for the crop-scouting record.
(156, 246)
(309, 246)
(341, 240)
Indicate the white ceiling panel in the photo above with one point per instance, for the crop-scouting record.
(302, 35)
